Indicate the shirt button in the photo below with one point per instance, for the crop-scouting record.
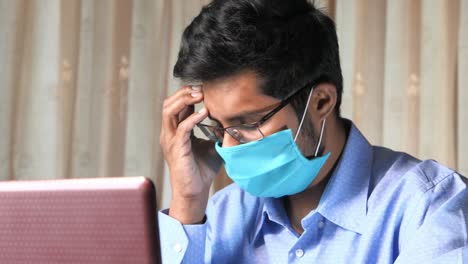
(321, 224)
(177, 247)
(299, 253)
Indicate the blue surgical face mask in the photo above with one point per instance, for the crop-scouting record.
(273, 166)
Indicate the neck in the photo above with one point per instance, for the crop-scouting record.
(299, 205)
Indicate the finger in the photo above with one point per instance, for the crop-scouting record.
(182, 108)
(170, 118)
(186, 112)
(185, 128)
(189, 95)
(180, 92)
(183, 91)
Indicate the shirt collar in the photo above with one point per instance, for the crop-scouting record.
(272, 210)
(344, 201)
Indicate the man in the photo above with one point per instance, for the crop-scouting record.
(308, 187)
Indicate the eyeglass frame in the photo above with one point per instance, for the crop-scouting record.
(252, 125)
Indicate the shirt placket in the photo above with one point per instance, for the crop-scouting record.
(304, 249)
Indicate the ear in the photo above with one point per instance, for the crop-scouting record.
(323, 101)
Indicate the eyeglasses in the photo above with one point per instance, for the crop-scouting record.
(247, 132)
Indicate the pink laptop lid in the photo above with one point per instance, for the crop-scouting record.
(102, 220)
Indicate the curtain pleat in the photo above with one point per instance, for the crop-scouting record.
(35, 150)
(401, 78)
(438, 83)
(462, 90)
(346, 25)
(11, 28)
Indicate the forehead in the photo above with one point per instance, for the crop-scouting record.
(240, 93)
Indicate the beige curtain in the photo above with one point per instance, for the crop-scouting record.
(82, 82)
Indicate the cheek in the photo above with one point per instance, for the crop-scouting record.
(290, 119)
(284, 119)
(306, 140)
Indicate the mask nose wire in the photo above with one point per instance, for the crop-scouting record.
(303, 115)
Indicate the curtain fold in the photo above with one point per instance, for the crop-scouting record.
(35, 111)
(401, 77)
(462, 89)
(82, 82)
(438, 85)
(11, 27)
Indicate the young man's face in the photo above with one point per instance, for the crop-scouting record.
(237, 100)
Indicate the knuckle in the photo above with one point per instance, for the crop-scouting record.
(184, 126)
(165, 103)
(166, 111)
(187, 95)
(182, 91)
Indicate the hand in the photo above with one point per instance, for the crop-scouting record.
(193, 162)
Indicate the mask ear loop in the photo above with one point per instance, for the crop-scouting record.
(320, 138)
(303, 115)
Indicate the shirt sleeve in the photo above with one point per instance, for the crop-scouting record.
(181, 243)
(436, 231)
(459, 255)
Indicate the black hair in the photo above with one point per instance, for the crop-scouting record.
(287, 44)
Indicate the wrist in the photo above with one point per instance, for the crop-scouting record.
(188, 211)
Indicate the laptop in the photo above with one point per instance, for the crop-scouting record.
(100, 220)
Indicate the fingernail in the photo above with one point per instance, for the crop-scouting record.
(195, 94)
(196, 88)
(202, 111)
